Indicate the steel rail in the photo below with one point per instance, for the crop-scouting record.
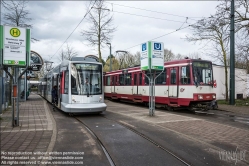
(150, 140)
(99, 141)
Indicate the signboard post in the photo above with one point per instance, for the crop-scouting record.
(15, 52)
(152, 59)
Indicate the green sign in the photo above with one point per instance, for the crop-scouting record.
(152, 56)
(15, 42)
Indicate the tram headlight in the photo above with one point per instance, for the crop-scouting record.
(214, 97)
(100, 98)
(200, 97)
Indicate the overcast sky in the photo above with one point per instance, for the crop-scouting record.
(54, 21)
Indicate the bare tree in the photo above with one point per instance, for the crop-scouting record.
(100, 31)
(242, 29)
(16, 14)
(4, 4)
(215, 31)
(137, 60)
(168, 55)
(68, 54)
(194, 55)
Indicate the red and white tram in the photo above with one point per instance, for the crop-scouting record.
(184, 83)
(80, 85)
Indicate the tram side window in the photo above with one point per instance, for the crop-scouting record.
(185, 75)
(173, 76)
(128, 79)
(161, 79)
(146, 78)
(121, 79)
(66, 82)
(135, 79)
(140, 78)
(108, 80)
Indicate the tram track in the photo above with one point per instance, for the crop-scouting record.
(130, 128)
(108, 156)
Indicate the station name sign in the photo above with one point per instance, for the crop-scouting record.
(15, 42)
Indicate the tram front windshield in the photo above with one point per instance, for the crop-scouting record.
(86, 79)
(202, 72)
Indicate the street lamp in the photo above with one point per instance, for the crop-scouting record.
(110, 55)
(120, 51)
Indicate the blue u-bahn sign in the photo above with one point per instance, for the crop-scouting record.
(152, 56)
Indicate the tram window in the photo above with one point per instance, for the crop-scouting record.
(140, 78)
(74, 85)
(173, 76)
(185, 75)
(146, 78)
(128, 78)
(121, 79)
(66, 82)
(161, 79)
(135, 79)
(108, 81)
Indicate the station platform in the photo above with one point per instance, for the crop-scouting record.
(35, 131)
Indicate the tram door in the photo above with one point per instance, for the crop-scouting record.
(173, 81)
(137, 82)
(59, 90)
(113, 83)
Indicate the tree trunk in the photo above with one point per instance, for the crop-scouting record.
(225, 64)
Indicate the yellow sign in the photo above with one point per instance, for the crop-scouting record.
(15, 32)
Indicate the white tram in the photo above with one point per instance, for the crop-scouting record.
(79, 83)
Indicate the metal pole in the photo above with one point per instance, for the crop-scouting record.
(1, 92)
(110, 57)
(17, 99)
(152, 94)
(232, 57)
(12, 97)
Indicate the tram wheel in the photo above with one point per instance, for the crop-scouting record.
(170, 108)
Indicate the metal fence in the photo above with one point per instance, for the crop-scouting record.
(5, 93)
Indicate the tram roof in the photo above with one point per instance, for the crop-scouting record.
(180, 61)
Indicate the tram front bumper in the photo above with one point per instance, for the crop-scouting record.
(83, 108)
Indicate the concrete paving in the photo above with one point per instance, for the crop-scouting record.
(214, 137)
(35, 133)
(244, 110)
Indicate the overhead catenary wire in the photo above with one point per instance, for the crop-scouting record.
(191, 18)
(74, 29)
(147, 16)
(163, 35)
